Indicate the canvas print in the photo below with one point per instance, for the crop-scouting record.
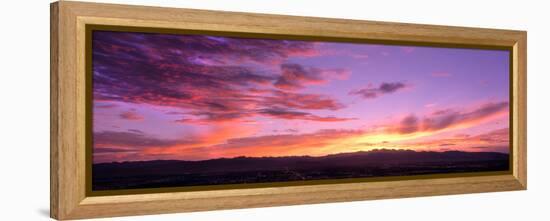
(182, 110)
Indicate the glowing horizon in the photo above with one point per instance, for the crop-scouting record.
(193, 97)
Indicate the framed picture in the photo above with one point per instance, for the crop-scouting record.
(160, 110)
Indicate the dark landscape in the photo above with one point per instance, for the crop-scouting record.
(240, 170)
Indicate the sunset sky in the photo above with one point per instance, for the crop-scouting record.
(191, 97)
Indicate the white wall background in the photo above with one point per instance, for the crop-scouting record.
(24, 112)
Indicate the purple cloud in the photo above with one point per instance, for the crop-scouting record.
(295, 76)
(110, 139)
(408, 125)
(447, 118)
(212, 78)
(297, 115)
(371, 92)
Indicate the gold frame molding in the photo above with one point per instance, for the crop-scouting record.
(69, 195)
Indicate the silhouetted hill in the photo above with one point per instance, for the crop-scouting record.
(382, 162)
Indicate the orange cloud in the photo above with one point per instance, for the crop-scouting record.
(495, 140)
(216, 135)
(230, 140)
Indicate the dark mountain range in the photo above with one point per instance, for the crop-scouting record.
(375, 163)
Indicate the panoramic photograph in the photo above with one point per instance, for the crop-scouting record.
(177, 110)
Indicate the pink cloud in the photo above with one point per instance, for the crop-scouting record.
(131, 115)
(448, 118)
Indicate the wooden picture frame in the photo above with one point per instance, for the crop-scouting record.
(69, 198)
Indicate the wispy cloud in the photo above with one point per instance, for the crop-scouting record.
(230, 141)
(100, 105)
(292, 144)
(449, 118)
(226, 95)
(494, 140)
(296, 115)
(301, 101)
(211, 78)
(129, 139)
(131, 115)
(371, 91)
(295, 76)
